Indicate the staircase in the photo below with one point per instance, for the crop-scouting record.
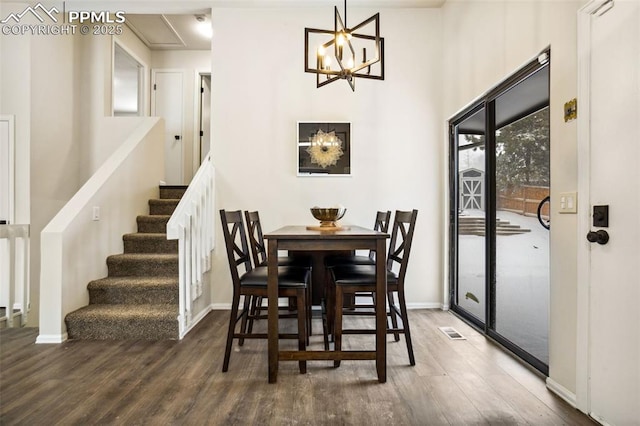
(139, 297)
(17, 317)
(474, 225)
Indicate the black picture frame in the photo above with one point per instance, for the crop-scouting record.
(306, 165)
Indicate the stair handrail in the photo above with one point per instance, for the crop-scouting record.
(192, 225)
(14, 291)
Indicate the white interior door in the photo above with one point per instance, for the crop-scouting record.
(168, 89)
(614, 298)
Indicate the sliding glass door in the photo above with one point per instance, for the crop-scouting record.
(470, 214)
(499, 179)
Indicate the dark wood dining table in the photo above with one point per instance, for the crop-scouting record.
(300, 238)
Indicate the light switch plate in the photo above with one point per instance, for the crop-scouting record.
(568, 203)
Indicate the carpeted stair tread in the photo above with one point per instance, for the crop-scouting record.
(160, 206)
(118, 322)
(134, 290)
(172, 191)
(152, 223)
(147, 242)
(139, 264)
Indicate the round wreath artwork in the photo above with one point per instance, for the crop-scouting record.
(325, 149)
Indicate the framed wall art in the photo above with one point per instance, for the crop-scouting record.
(324, 148)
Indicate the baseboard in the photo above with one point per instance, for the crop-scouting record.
(564, 393)
(197, 319)
(221, 306)
(51, 338)
(433, 305)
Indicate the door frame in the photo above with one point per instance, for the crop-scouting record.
(10, 119)
(197, 117)
(583, 322)
(488, 102)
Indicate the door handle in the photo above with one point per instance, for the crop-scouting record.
(546, 225)
(601, 237)
(177, 137)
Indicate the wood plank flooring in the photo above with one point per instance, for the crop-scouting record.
(180, 382)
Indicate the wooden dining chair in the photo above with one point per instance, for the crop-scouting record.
(381, 224)
(259, 249)
(259, 253)
(353, 279)
(252, 282)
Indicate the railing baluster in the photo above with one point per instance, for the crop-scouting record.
(26, 287)
(15, 281)
(182, 302)
(192, 224)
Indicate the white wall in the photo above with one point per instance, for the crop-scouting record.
(260, 91)
(191, 62)
(484, 42)
(94, 68)
(56, 160)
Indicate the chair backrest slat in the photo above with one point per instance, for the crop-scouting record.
(382, 225)
(236, 243)
(256, 238)
(400, 244)
(382, 221)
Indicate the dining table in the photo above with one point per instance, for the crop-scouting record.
(342, 238)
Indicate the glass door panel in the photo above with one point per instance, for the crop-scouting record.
(522, 243)
(471, 220)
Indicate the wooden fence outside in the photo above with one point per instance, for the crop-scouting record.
(524, 200)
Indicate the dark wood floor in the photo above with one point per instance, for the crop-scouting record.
(180, 382)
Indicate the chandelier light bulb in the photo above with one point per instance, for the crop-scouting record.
(321, 51)
(340, 39)
(350, 63)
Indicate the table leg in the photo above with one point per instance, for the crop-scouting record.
(272, 321)
(381, 310)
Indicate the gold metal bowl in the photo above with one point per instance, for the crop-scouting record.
(328, 216)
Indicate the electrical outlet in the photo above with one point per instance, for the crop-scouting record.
(96, 213)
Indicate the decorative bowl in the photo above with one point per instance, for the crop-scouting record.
(328, 216)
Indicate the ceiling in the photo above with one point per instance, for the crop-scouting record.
(171, 32)
(179, 31)
(174, 6)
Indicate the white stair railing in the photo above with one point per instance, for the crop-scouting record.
(192, 224)
(14, 273)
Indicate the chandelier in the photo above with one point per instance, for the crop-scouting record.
(342, 53)
(325, 149)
